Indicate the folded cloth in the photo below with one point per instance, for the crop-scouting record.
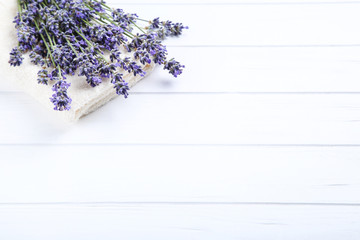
(85, 99)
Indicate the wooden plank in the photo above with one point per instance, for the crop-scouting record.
(211, 222)
(260, 70)
(240, 2)
(190, 119)
(281, 24)
(324, 69)
(35, 174)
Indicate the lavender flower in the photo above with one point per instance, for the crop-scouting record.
(60, 99)
(166, 28)
(160, 57)
(115, 55)
(174, 67)
(177, 29)
(154, 24)
(43, 77)
(125, 19)
(120, 85)
(36, 58)
(93, 80)
(15, 57)
(106, 70)
(143, 56)
(123, 63)
(173, 29)
(135, 69)
(87, 68)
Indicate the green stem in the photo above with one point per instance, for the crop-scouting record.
(129, 34)
(143, 20)
(19, 9)
(109, 9)
(47, 46)
(101, 15)
(104, 5)
(71, 46)
(138, 27)
(99, 20)
(126, 33)
(53, 42)
(47, 34)
(55, 4)
(59, 69)
(81, 49)
(81, 35)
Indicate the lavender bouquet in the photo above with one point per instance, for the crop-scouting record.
(88, 38)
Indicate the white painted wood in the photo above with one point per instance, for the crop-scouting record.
(325, 69)
(178, 222)
(260, 70)
(254, 25)
(205, 164)
(112, 3)
(191, 119)
(36, 174)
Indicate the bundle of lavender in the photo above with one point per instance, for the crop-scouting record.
(89, 39)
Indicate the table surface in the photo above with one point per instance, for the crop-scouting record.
(258, 139)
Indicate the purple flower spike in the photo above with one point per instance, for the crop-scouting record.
(15, 57)
(43, 77)
(174, 67)
(120, 85)
(155, 23)
(93, 80)
(60, 99)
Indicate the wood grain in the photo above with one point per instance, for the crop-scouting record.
(106, 173)
(259, 25)
(119, 3)
(192, 119)
(259, 138)
(132, 221)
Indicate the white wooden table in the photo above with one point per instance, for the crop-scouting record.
(258, 139)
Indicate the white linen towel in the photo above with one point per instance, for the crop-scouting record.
(85, 99)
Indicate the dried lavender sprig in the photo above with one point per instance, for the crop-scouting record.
(60, 98)
(120, 85)
(15, 57)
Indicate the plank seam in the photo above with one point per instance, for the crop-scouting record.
(265, 46)
(220, 93)
(179, 203)
(240, 3)
(186, 145)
